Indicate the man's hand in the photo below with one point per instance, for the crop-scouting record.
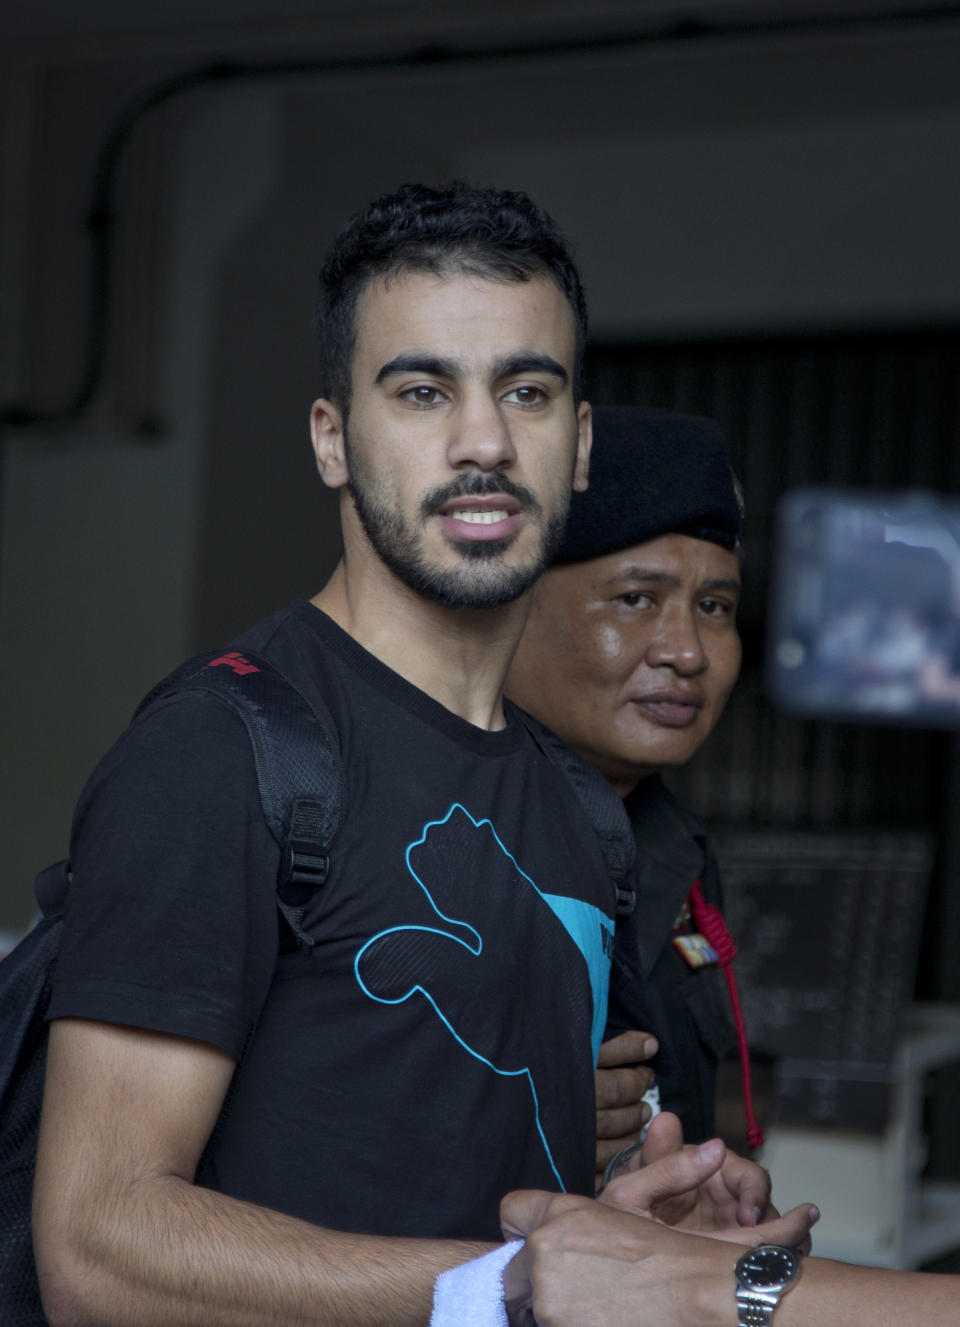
(586, 1265)
(622, 1078)
(737, 1193)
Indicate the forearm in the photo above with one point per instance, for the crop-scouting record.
(166, 1252)
(834, 1294)
(588, 1265)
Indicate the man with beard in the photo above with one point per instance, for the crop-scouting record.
(435, 1044)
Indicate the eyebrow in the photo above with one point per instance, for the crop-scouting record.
(437, 366)
(530, 362)
(649, 575)
(723, 583)
(635, 573)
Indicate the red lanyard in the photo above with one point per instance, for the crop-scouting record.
(709, 922)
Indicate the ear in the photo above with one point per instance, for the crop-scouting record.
(581, 468)
(326, 432)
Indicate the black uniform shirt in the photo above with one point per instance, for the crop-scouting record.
(689, 1009)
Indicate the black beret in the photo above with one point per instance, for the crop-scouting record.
(652, 472)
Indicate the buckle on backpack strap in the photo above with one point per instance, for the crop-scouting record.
(304, 865)
(626, 900)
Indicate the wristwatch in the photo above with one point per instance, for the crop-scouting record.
(763, 1273)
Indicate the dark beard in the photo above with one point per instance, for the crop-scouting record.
(484, 581)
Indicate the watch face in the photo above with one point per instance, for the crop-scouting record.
(767, 1267)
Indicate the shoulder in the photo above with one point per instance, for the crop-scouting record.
(186, 757)
(263, 690)
(179, 729)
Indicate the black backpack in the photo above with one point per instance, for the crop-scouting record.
(296, 754)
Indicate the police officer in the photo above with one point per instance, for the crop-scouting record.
(630, 653)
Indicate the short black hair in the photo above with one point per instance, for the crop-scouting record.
(493, 233)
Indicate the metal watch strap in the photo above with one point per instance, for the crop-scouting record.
(755, 1309)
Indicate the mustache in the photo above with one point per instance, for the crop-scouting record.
(475, 484)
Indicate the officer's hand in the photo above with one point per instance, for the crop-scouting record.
(622, 1078)
(735, 1194)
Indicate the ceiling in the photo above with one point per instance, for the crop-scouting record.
(493, 21)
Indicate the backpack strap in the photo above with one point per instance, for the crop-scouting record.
(296, 756)
(603, 808)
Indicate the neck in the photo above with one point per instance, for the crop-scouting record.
(458, 656)
(624, 784)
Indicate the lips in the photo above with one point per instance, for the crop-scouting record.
(494, 516)
(673, 709)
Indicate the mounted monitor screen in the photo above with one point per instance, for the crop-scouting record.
(864, 619)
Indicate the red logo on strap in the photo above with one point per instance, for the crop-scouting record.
(236, 661)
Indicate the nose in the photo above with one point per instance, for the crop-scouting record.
(676, 642)
(480, 436)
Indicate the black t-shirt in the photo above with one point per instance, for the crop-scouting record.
(436, 1048)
